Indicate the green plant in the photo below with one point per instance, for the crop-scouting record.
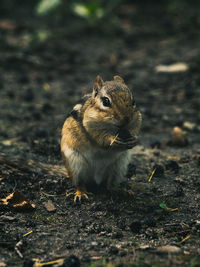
(90, 10)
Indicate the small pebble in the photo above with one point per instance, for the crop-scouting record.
(136, 226)
(178, 137)
(189, 125)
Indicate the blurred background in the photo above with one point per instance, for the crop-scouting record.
(52, 50)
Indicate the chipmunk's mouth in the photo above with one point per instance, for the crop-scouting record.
(124, 134)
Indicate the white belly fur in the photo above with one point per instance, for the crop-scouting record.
(96, 163)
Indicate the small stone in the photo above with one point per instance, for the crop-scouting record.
(178, 137)
(168, 249)
(94, 243)
(136, 226)
(189, 125)
(172, 165)
(159, 170)
(49, 206)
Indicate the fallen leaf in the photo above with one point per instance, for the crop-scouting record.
(176, 67)
(18, 201)
(49, 206)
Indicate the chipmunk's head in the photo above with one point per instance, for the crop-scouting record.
(113, 106)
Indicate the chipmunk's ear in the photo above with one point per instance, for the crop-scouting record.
(97, 85)
(118, 79)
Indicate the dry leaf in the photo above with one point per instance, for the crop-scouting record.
(18, 201)
(49, 206)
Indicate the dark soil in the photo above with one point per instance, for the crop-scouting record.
(40, 81)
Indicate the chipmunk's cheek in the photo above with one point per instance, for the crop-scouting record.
(135, 124)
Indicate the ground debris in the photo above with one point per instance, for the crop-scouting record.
(49, 206)
(18, 201)
(176, 67)
(168, 249)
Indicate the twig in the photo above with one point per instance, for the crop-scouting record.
(186, 238)
(30, 232)
(151, 175)
(113, 140)
(17, 248)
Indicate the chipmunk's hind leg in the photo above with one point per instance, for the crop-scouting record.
(116, 172)
(78, 169)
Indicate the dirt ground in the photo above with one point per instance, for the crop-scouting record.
(40, 81)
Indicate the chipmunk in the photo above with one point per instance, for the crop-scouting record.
(97, 136)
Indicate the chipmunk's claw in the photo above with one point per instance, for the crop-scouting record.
(79, 195)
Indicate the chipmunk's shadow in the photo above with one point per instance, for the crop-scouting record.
(102, 189)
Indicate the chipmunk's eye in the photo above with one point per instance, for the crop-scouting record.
(106, 101)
